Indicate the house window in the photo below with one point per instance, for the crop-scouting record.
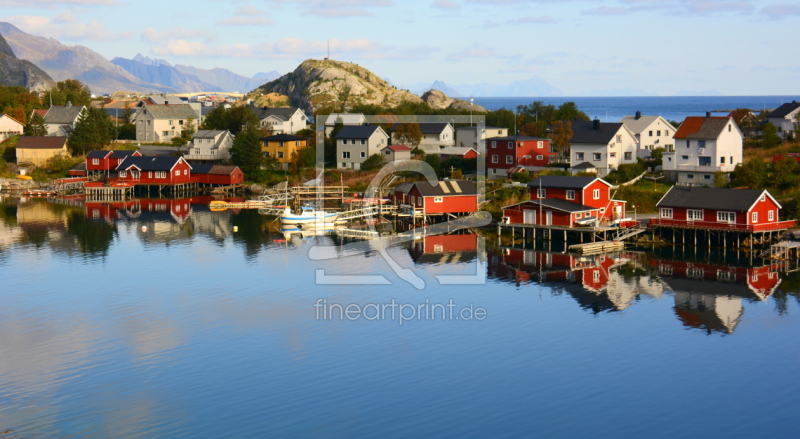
(494, 159)
(726, 217)
(690, 176)
(666, 133)
(178, 172)
(363, 142)
(650, 133)
(578, 156)
(771, 215)
(754, 217)
(541, 193)
(701, 143)
(539, 157)
(704, 161)
(280, 154)
(494, 144)
(123, 174)
(612, 155)
(763, 198)
(707, 176)
(509, 159)
(619, 138)
(438, 199)
(722, 160)
(687, 143)
(149, 175)
(510, 145)
(346, 154)
(684, 157)
(694, 215)
(539, 144)
(596, 194)
(693, 272)
(363, 154)
(185, 172)
(266, 154)
(344, 165)
(658, 133)
(280, 143)
(666, 212)
(628, 155)
(570, 195)
(597, 156)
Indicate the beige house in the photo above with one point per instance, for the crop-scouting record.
(38, 150)
(210, 146)
(9, 127)
(393, 153)
(160, 123)
(355, 143)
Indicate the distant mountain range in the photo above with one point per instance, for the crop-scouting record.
(141, 74)
(14, 71)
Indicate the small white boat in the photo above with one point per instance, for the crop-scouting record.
(308, 215)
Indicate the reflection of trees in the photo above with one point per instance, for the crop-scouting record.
(251, 234)
(8, 214)
(94, 237)
(790, 287)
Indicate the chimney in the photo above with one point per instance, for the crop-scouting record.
(708, 115)
(166, 102)
(596, 124)
(638, 115)
(69, 104)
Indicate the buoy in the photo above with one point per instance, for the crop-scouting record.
(235, 228)
(144, 228)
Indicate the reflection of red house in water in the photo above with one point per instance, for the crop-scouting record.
(456, 247)
(709, 297)
(178, 209)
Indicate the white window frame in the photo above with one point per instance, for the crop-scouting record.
(754, 217)
(363, 154)
(345, 154)
(541, 193)
(539, 157)
(509, 159)
(770, 215)
(579, 156)
(596, 194)
(95, 161)
(438, 199)
(570, 194)
(726, 217)
(597, 157)
(494, 158)
(692, 215)
(666, 212)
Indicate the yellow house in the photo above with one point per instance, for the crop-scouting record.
(282, 147)
(38, 150)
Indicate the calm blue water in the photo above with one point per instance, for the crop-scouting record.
(188, 329)
(612, 109)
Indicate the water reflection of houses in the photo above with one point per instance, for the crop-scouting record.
(709, 297)
(595, 281)
(445, 249)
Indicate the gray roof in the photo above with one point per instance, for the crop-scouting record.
(282, 113)
(404, 187)
(785, 109)
(178, 111)
(347, 118)
(735, 200)
(447, 187)
(164, 99)
(561, 181)
(357, 131)
(63, 115)
(584, 132)
(208, 134)
(584, 165)
(640, 124)
(149, 163)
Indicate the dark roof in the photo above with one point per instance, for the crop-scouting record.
(213, 169)
(81, 166)
(584, 165)
(357, 131)
(566, 206)
(446, 188)
(404, 187)
(488, 127)
(177, 111)
(584, 132)
(50, 142)
(562, 181)
(735, 200)
(282, 138)
(98, 154)
(122, 154)
(428, 127)
(515, 138)
(698, 127)
(785, 109)
(150, 163)
(283, 113)
(62, 115)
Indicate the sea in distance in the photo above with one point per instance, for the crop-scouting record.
(612, 109)
(153, 318)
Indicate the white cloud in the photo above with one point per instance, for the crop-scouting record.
(52, 4)
(780, 10)
(183, 48)
(336, 8)
(154, 35)
(531, 20)
(339, 13)
(446, 5)
(247, 15)
(66, 26)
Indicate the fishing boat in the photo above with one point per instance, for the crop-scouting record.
(308, 215)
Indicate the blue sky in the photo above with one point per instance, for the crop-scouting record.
(663, 47)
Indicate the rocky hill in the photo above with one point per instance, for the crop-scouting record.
(14, 71)
(438, 100)
(316, 84)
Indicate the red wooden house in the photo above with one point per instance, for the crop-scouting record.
(746, 210)
(217, 175)
(155, 170)
(563, 201)
(504, 153)
(101, 162)
(445, 197)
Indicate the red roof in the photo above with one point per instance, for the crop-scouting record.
(41, 112)
(399, 148)
(52, 142)
(693, 124)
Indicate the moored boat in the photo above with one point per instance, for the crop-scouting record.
(308, 215)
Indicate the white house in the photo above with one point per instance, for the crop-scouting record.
(345, 118)
(604, 145)
(785, 117)
(435, 136)
(703, 146)
(210, 146)
(651, 132)
(61, 120)
(9, 127)
(282, 120)
(467, 137)
(396, 152)
(355, 143)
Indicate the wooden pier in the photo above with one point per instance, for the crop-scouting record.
(598, 247)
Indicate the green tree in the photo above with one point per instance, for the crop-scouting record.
(330, 141)
(233, 120)
(246, 151)
(751, 174)
(769, 137)
(306, 158)
(35, 126)
(561, 136)
(373, 162)
(126, 132)
(435, 163)
(70, 90)
(658, 153)
(94, 130)
(783, 174)
(720, 179)
(569, 111)
(408, 134)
